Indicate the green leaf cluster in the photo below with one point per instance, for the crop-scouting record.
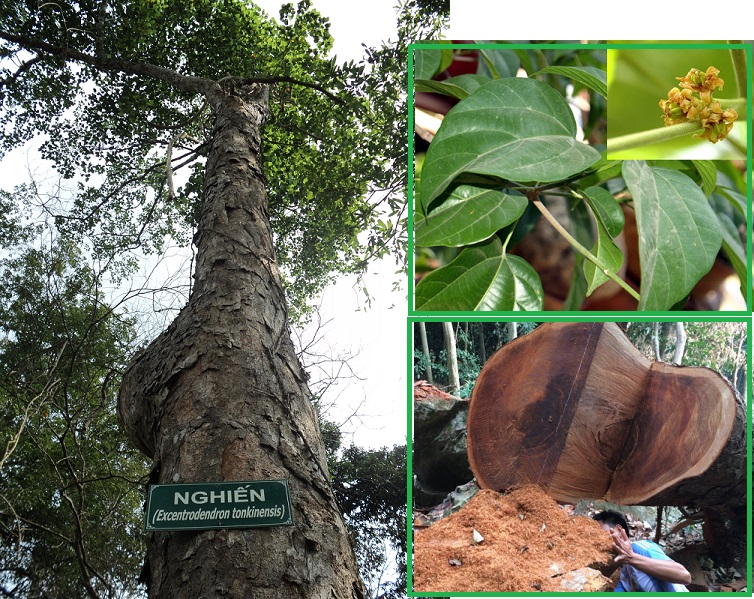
(333, 155)
(70, 484)
(508, 145)
(370, 486)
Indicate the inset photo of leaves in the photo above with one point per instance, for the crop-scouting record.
(516, 205)
(677, 103)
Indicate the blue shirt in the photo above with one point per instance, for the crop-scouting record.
(633, 580)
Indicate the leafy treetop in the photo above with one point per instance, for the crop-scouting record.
(117, 90)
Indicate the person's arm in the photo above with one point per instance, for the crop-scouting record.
(664, 569)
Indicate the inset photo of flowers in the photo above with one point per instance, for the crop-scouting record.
(677, 103)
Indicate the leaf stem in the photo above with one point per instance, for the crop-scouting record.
(738, 56)
(581, 249)
(507, 239)
(644, 138)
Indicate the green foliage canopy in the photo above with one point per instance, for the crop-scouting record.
(70, 484)
(370, 485)
(116, 91)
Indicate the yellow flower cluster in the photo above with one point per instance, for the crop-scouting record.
(694, 101)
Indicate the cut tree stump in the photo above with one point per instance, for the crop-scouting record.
(576, 409)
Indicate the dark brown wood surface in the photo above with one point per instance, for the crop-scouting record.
(686, 419)
(519, 418)
(576, 408)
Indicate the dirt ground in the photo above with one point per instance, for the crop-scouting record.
(528, 543)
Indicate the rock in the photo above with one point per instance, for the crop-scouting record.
(452, 503)
(584, 580)
(440, 460)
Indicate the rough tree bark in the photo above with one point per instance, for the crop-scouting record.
(221, 396)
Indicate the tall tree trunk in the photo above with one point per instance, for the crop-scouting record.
(482, 348)
(680, 343)
(451, 357)
(656, 341)
(425, 351)
(220, 396)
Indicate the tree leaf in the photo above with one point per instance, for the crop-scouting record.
(515, 232)
(679, 235)
(606, 208)
(455, 87)
(708, 172)
(427, 63)
(440, 87)
(498, 63)
(581, 227)
(591, 77)
(736, 199)
(481, 278)
(608, 253)
(469, 214)
(601, 172)
(516, 129)
(733, 249)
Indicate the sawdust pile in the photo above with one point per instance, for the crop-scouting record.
(529, 542)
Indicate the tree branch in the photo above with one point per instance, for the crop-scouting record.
(25, 66)
(48, 388)
(99, 32)
(187, 83)
(644, 138)
(291, 80)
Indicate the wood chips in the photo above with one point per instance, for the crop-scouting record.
(529, 543)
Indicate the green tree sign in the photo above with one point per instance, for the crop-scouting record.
(205, 506)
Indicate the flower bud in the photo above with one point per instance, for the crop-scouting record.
(694, 102)
(674, 111)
